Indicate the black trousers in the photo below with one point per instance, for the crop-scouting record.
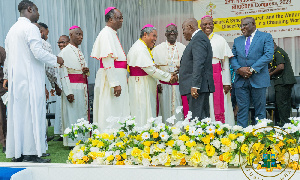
(200, 106)
(283, 103)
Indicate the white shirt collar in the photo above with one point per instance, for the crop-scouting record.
(24, 18)
(195, 33)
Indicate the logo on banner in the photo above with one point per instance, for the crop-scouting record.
(211, 6)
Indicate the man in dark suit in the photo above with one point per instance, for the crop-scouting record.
(195, 73)
(252, 53)
(3, 123)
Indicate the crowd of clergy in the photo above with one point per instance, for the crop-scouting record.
(149, 81)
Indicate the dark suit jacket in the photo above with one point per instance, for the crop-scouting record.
(2, 59)
(259, 56)
(196, 66)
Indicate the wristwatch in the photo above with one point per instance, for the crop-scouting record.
(252, 70)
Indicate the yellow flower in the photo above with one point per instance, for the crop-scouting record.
(239, 134)
(293, 151)
(120, 144)
(110, 158)
(168, 163)
(232, 136)
(219, 132)
(101, 154)
(118, 157)
(184, 138)
(147, 149)
(111, 137)
(95, 142)
(147, 143)
(210, 150)
(196, 158)
(146, 156)
(244, 148)
(190, 144)
(183, 161)
(105, 136)
(82, 148)
(206, 140)
(124, 155)
(211, 136)
(151, 131)
(155, 134)
(139, 137)
(122, 134)
(78, 143)
(187, 128)
(227, 156)
(120, 163)
(100, 144)
(80, 161)
(170, 143)
(85, 158)
(226, 141)
(93, 155)
(280, 143)
(136, 152)
(291, 141)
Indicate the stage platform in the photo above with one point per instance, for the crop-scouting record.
(55, 171)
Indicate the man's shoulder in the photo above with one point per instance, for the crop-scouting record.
(161, 45)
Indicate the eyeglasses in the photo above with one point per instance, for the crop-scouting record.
(243, 25)
(62, 42)
(173, 31)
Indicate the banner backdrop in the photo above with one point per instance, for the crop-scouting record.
(281, 18)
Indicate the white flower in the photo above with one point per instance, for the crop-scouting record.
(216, 143)
(222, 165)
(225, 148)
(217, 123)
(175, 131)
(178, 109)
(233, 146)
(206, 120)
(96, 132)
(130, 122)
(241, 139)
(158, 120)
(128, 151)
(169, 150)
(182, 147)
(146, 162)
(236, 160)
(67, 131)
(164, 136)
(98, 161)
(179, 124)
(171, 119)
(161, 146)
(175, 162)
(151, 120)
(192, 131)
(295, 157)
(145, 135)
(94, 149)
(199, 131)
(78, 155)
(127, 162)
(179, 142)
(163, 158)
(225, 126)
(210, 129)
(185, 122)
(248, 129)
(237, 128)
(161, 126)
(155, 161)
(189, 115)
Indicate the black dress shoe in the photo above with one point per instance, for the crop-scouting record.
(59, 139)
(45, 154)
(35, 159)
(20, 159)
(50, 138)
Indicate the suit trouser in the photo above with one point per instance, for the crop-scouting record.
(199, 106)
(283, 103)
(245, 95)
(3, 123)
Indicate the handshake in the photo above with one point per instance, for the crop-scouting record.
(174, 78)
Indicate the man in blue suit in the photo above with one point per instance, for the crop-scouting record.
(252, 53)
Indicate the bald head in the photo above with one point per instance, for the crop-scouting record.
(76, 36)
(189, 26)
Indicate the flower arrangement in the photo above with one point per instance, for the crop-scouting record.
(197, 143)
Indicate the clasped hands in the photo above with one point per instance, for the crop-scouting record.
(244, 72)
(174, 78)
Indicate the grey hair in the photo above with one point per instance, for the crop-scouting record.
(147, 30)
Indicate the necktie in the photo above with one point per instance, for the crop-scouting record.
(247, 45)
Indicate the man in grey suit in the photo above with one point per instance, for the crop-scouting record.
(196, 73)
(252, 53)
